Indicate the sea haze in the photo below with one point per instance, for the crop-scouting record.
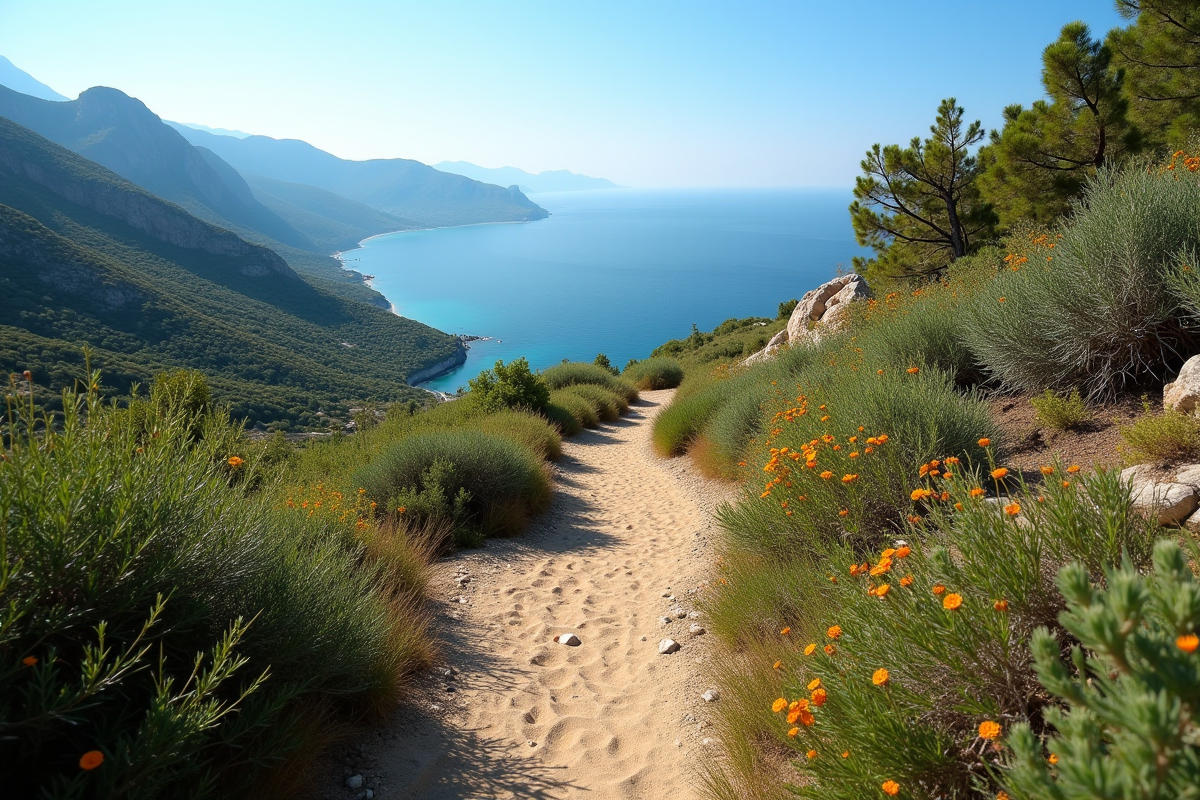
(617, 271)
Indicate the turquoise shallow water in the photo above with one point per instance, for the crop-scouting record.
(617, 271)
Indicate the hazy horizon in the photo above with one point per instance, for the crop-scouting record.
(715, 96)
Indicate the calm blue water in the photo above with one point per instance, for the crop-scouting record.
(617, 271)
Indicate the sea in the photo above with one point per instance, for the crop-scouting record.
(614, 271)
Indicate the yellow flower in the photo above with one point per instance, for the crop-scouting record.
(882, 590)
(234, 462)
(952, 601)
(1053, 759)
(778, 664)
(794, 732)
(779, 705)
(880, 677)
(812, 648)
(814, 683)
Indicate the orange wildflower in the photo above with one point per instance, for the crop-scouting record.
(845, 754)
(989, 730)
(845, 512)
(1000, 605)
(830, 649)
(1073, 469)
(1053, 759)
(882, 590)
(794, 732)
(1047, 470)
(906, 580)
(952, 601)
(1000, 473)
(880, 677)
(826, 475)
(834, 631)
(814, 683)
(778, 664)
(811, 754)
(939, 589)
(812, 648)
(91, 759)
(977, 492)
(902, 551)
(985, 442)
(890, 788)
(913, 370)
(819, 696)
(920, 494)
(1012, 509)
(234, 462)
(779, 705)
(785, 631)
(29, 661)
(1188, 642)
(849, 478)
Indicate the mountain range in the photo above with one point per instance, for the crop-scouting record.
(555, 180)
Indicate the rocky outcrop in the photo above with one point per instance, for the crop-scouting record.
(1184, 393)
(441, 367)
(819, 313)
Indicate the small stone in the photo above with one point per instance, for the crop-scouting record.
(354, 782)
(667, 646)
(678, 743)
(697, 630)
(710, 696)
(643, 638)
(569, 639)
(463, 599)
(628, 527)
(693, 615)
(664, 620)
(532, 743)
(449, 673)
(678, 613)
(449, 689)
(666, 594)
(706, 741)
(434, 707)
(370, 794)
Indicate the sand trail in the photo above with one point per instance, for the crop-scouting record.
(524, 716)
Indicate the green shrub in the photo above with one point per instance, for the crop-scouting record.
(573, 373)
(512, 386)
(161, 613)
(562, 418)
(681, 422)
(880, 428)
(1132, 692)
(786, 308)
(584, 412)
(609, 406)
(1093, 307)
(1060, 411)
(655, 373)
(912, 671)
(1171, 436)
(506, 482)
(602, 361)
(532, 431)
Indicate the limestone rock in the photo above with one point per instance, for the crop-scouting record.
(1172, 502)
(1184, 394)
(697, 630)
(817, 314)
(667, 646)
(569, 639)
(710, 696)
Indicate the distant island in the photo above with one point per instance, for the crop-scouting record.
(554, 180)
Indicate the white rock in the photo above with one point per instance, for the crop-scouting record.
(697, 630)
(354, 782)
(569, 639)
(1189, 475)
(818, 313)
(711, 696)
(677, 612)
(706, 741)
(665, 620)
(1171, 502)
(678, 743)
(667, 646)
(693, 615)
(1184, 393)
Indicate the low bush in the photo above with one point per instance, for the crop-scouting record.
(1060, 411)
(511, 386)
(532, 431)
(897, 668)
(677, 427)
(584, 412)
(574, 373)
(562, 419)
(786, 308)
(655, 373)
(609, 405)
(502, 483)
(1093, 307)
(1129, 700)
(169, 630)
(1172, 436)
(842, 457)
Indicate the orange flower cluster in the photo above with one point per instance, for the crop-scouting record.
(784, 462)
(322, 502)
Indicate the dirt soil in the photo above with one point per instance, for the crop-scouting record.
(514, 714)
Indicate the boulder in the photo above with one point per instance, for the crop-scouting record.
(667, 646)
(1171, 502)
(817, 314)
(1184, 394)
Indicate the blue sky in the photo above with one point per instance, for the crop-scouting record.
(645, 93)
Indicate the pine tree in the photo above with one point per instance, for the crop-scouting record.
(1160, 54)
(1043, 155)
(918, 206)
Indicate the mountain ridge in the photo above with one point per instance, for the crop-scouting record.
(553, 180)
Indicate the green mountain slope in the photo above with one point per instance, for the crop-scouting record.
(334, 222)
(87, 257)
(399, 186)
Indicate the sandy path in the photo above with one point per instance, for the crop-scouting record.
(526, 717)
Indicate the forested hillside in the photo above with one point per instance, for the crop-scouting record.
(88, 258)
